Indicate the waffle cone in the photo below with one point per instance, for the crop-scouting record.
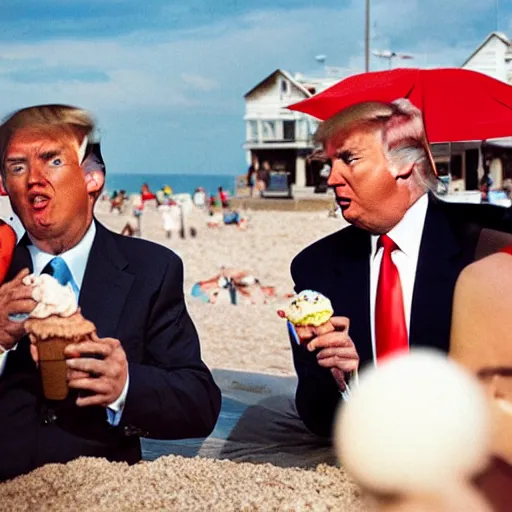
(51, 336)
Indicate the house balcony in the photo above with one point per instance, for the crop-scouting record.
(278, 144)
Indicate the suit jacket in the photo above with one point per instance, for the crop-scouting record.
(339, 267)
(132, 290)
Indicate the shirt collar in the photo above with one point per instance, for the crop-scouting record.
(75, 258)
(408, 232)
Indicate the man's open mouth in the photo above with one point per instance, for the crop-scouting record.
(343, 201)
(39, 202)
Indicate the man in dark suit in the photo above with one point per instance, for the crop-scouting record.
(144, 375)
(391, 274)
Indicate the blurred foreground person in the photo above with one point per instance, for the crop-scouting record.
(481, 340)
(143, 376)
(390, 275)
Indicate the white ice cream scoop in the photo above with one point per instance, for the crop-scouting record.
(417, 424)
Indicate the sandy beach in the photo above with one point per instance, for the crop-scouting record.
(248, 338)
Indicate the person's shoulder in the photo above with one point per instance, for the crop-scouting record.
(141, 252)
(484, 215)
(324, 249)
(491, 274)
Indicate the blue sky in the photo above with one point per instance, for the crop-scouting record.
(166, 79)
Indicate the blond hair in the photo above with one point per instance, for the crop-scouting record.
(49, 119)
(402, 130)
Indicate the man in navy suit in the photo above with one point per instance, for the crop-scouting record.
(391, 274)
(144, 375)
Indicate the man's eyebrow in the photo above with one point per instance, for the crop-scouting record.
(48, 155)
(502, 371)
(15, 159)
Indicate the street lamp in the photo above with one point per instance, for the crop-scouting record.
(367, 36)
(388, 54)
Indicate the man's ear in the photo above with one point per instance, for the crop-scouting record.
(404, 172)
(3, 192)
(94, 181)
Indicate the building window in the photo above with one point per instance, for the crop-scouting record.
(289, 130)
(252, 131)
(269, 130)
(285, 87)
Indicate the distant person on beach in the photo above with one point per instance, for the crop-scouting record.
(252, 174)
(146, 193)
(199, 198)
(171, 213)
(117, 201)
(232, 285)
(402, 239)
(223, 198)
(133, 226)
(142, 373)
(213, 202)
(486, 184)
(263, 177)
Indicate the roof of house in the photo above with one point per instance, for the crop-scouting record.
(284, 74)
(499, 35)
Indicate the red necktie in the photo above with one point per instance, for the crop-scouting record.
(390, 328)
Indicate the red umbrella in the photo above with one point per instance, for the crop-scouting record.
(457, 104)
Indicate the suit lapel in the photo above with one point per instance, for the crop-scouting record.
(439, 264)
(106, 283)
(21, 259)
(350, 291)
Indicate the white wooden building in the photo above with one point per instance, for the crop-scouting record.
(466, 161)
(493, 57)
(283, 137)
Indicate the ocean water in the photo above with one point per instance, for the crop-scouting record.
(180, 183)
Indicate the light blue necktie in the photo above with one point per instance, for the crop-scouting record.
(59, 269)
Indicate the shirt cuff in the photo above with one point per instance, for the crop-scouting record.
(115, 409)
(3, 358)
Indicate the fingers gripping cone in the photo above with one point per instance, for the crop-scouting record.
(414, 433)
(51, 336)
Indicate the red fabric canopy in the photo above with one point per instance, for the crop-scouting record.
(457, 104)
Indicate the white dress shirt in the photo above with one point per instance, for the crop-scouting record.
(76, 259)
(407, 236)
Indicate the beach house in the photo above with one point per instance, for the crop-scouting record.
(280, 136)
(465, 161)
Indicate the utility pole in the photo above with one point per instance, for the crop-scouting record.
(367, 37)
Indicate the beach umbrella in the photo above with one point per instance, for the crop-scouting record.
(457, 104)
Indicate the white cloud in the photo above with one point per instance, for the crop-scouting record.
(187, 70)
(182, 75)
(199, 82)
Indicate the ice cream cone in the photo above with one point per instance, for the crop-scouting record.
(51, 336)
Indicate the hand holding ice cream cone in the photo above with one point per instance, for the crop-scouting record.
(99, 367)
(311, 313)
(67, 349)
(54, 323)
(15, 298)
